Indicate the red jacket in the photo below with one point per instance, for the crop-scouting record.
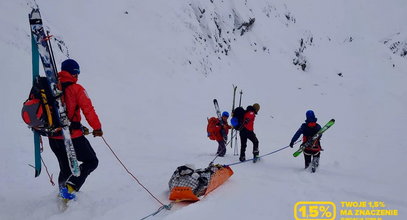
(249, 117)
(226, 128)
(77, 99)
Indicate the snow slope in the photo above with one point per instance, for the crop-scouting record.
(152, 69)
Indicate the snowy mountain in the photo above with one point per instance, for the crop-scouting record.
(152, 69)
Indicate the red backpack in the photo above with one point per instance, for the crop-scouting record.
(212, 128)
(38, 112)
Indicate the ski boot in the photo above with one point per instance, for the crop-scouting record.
(242, 158)
(256, 158)
(314, 164)
(67, 192)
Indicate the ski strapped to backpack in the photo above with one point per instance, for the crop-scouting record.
(222, 131)
(58, 106)
(36, 135)
(312, 141)
(37, 111)
(233, 108)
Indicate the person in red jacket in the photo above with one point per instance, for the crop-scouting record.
(247, 132)
(76, 100)
(222, 132)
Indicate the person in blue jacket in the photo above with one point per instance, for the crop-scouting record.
(307, 130)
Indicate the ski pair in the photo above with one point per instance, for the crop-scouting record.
(41, 48)
(235, 152)
(218, 113)
(312, 141)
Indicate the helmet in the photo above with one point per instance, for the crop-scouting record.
(250, 108)
(71, 66)
(256, 106)
(310, 116)
(225, 114)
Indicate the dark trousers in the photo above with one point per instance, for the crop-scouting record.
(244, 135)
(84, 153)
(308, 155)
(221, 148)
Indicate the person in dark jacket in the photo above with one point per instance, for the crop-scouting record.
(76, 100)
(247, 132)
(307, 130)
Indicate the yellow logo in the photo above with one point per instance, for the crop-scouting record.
(318, 210)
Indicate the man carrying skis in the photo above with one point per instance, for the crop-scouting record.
(222, 131)
(247, 132)
(308, 130)
(76, 99)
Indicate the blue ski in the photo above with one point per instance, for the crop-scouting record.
(35, 74)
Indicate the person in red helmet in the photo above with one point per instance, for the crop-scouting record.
(76, 100)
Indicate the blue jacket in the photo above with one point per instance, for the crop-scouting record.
(306, 131)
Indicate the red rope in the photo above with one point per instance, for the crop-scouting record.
(49, 176)
(130, 172)
(46, 168)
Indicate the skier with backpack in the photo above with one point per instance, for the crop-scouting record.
(308, 130)
(76, 100)
(217, 130)
(244, 122)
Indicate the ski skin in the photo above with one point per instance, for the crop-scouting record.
(40, 39)
(315, 137)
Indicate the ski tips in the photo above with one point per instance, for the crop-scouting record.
(35, 16)
(35, 13)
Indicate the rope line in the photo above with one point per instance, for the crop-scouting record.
(43, 162)
(260, 156)
(49, 176)
(134, 177)
(232, 164)
(166, 207)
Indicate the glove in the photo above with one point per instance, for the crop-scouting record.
(291, 144)
(85, 130)
(97, 133)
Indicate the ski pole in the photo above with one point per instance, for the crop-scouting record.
(48, 38)
(233, 109)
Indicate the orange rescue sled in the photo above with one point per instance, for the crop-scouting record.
(184, 193)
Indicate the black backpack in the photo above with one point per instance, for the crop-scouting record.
(238, 117)
(38, 110)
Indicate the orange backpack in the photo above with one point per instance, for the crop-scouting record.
(212, 128)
